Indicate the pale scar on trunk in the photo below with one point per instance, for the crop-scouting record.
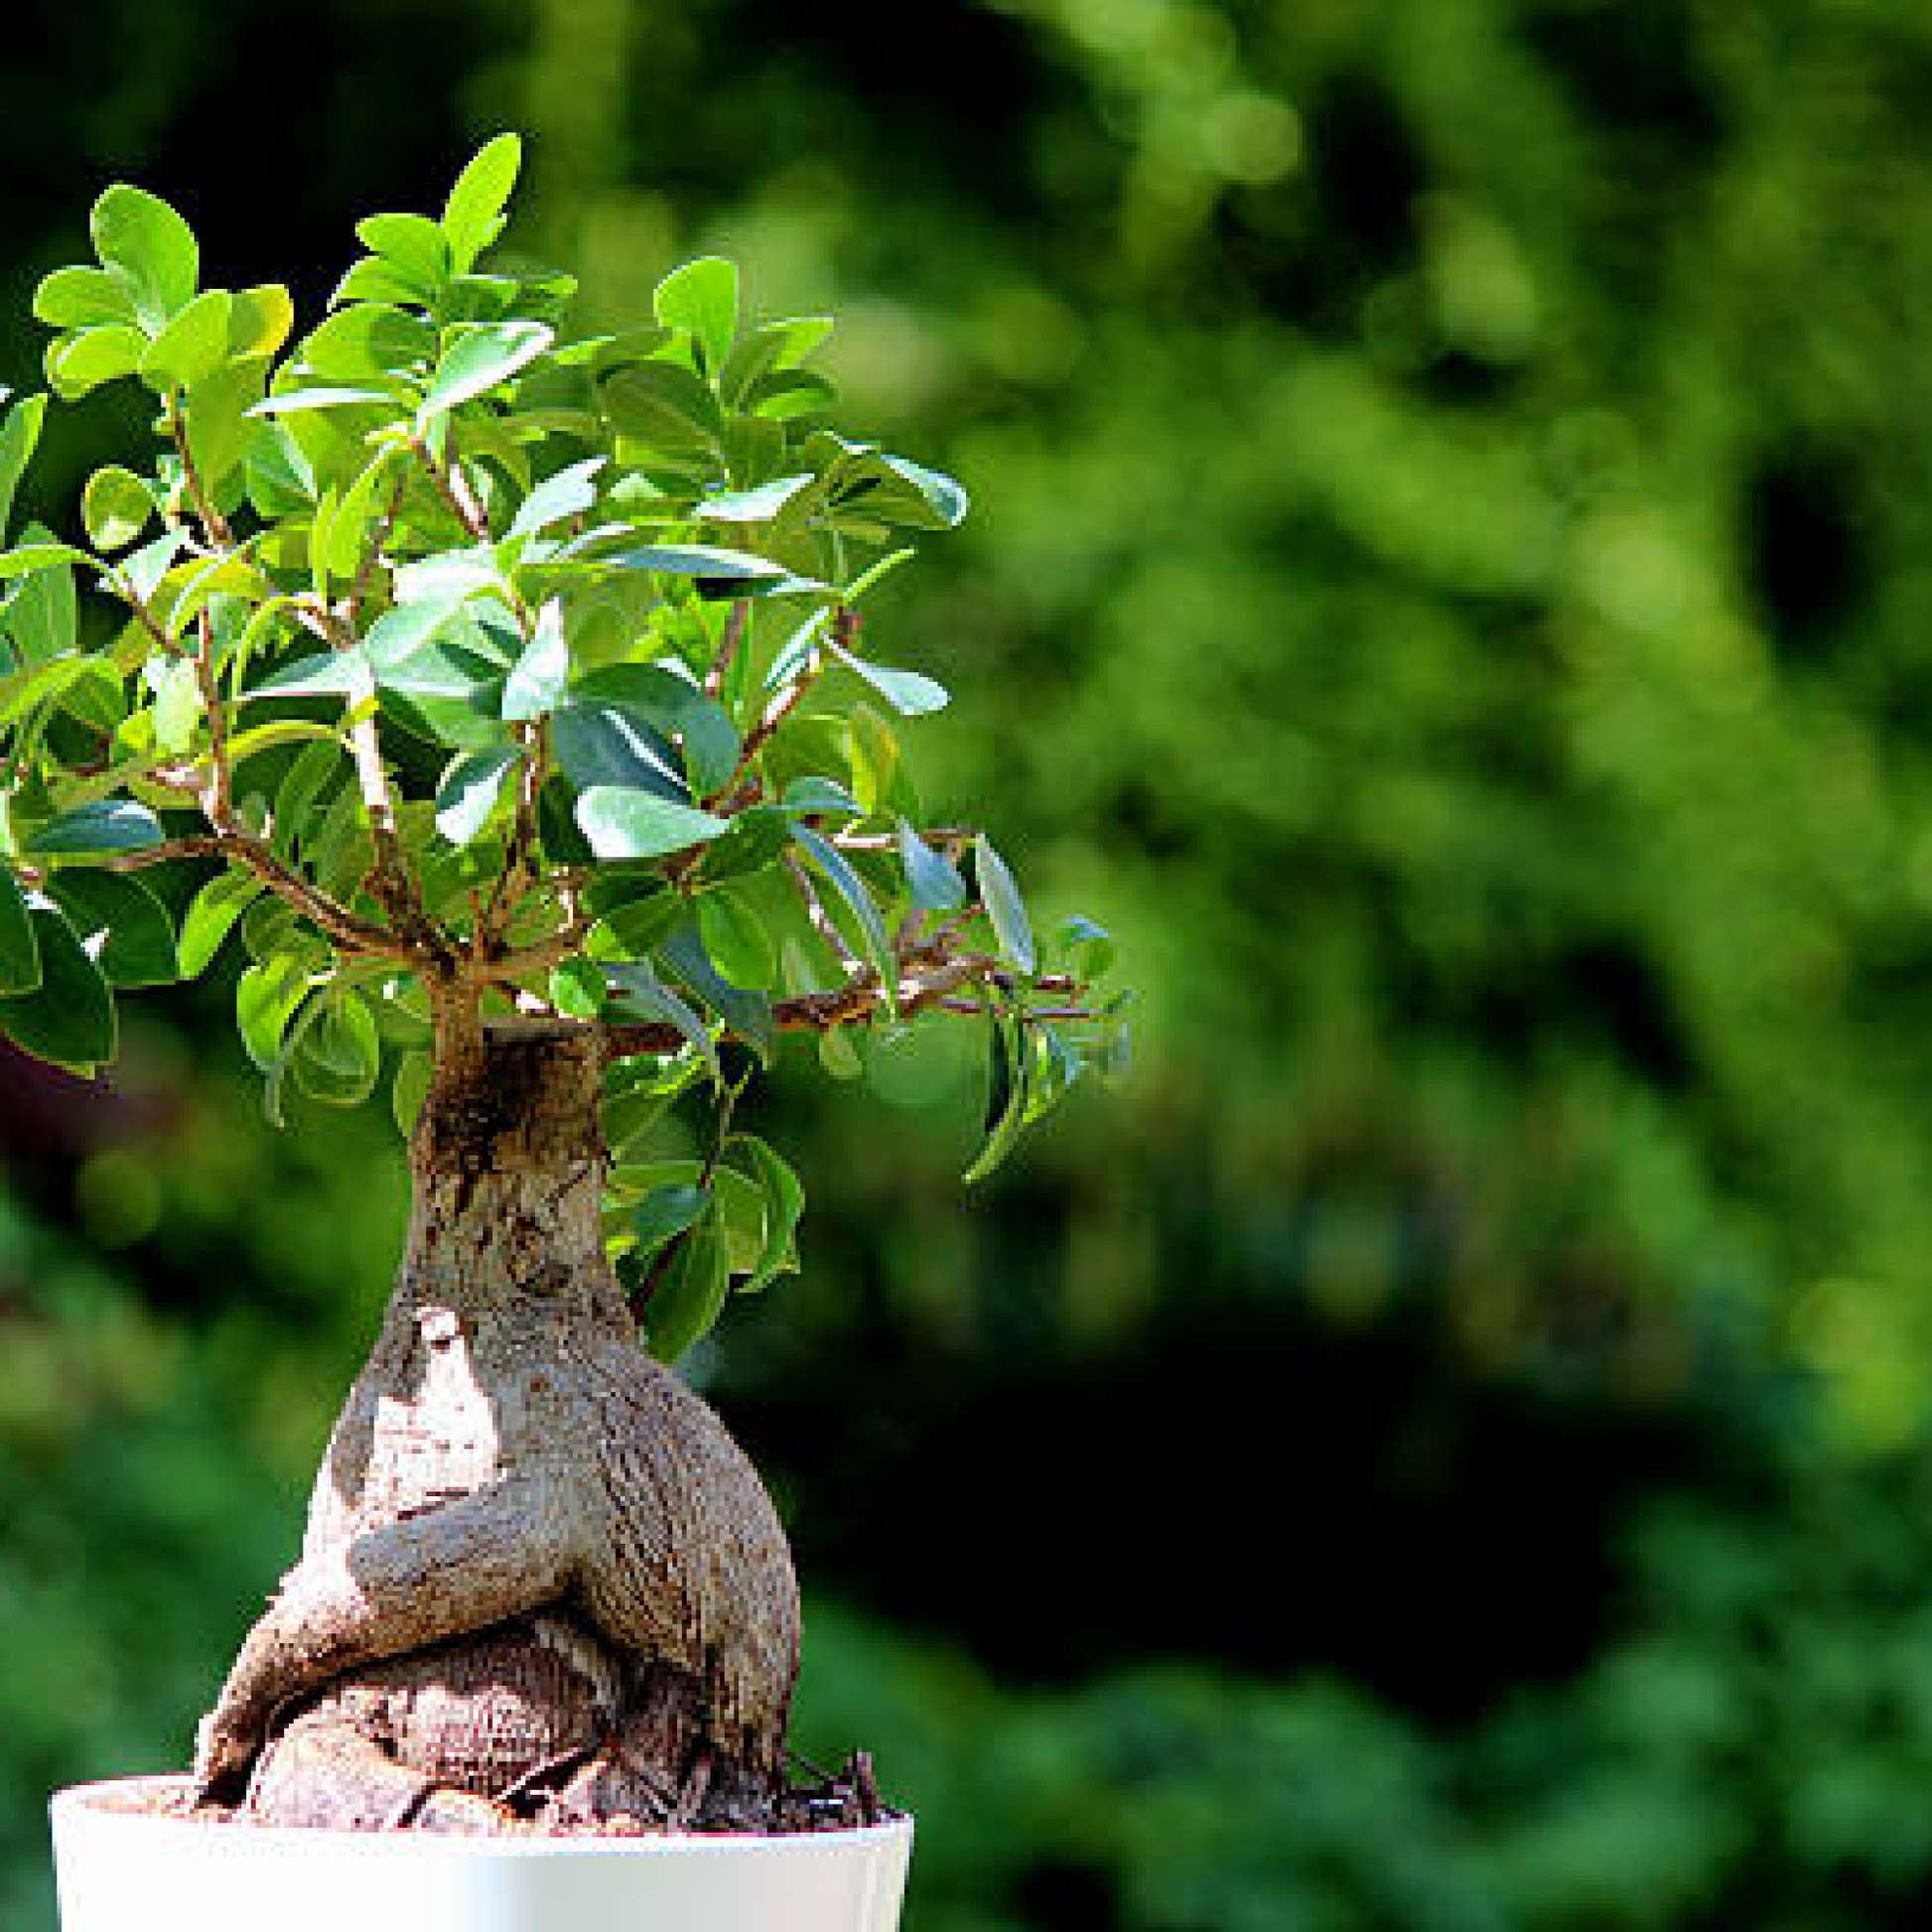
(510, 1452)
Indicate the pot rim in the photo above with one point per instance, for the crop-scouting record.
(79, 1801)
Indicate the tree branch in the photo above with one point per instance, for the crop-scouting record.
(237, 847)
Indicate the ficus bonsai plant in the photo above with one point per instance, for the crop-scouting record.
(504, 696)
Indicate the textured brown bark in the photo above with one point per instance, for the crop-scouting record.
(535, 1563)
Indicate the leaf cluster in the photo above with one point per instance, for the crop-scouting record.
(477, 672)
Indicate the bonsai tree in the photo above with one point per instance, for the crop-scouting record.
(505, 695)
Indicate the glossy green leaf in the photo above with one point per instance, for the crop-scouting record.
(1000, 894)
(24, 559)
(757, 505)
(409, 1090)
(1006, 1096)
(194, 344)
(482, 357)
(79, 364)
(873, 939)
(177, 706)
(815, 797)
(291, 402)
(210, 917)
(338, 1058)
(757, 838)
(626, 824)
(412, 243)
(784, 1206)
(69, 1017)
(691, 1296)
(152, 246)
(469, 790)
(43, 616)
(700, 560)
(106, 825)
(537, 685)
(663, 1214)
(571, 491)
(745, 1012)
(471, 216)
(598, 742)
(931, 876)
(83, 298)
(663, 405)
(1089, 948)
(266, 997)
(909, 693)
(221, 428)
(672, 704)
(736, 939)
(260, 320)
(19, 433)
(702, 296)
(648, 998)
(20, 954)
(115, 508)
(121, 923)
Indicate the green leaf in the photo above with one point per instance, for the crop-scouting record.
(672, 704)
(784, 1206)
(409, 1090)
(24, 559)
(152, 246)
(663, 1214)
(20, 955)
(106, 825)
(663, 405)
(702, 296)
(483, 357)
(700, 560)
(266, 997)
(691, 1296)
(757, 505)
(42, 618)
(598, 742)
(122, 926)
(370, 342)
(325, 674)
(747, 1013)
(468, 792)
(115, 508)
(177, 706)
(18, 435)
(1004, 906)
(537, 685)
(472, 215)
(635, 929)
(873, 938)
(931, 877)
(756, 837)
(577, 988)
(1006, 1095)
(736, 940)
(259, 319)
(815, 797)
(626, 824)
(210, 917)
(83, 298)
(1089, 948)
(289, 402)
(191, 347)
(220, 429)
(642, 991)
(69, 1017)
(78, 363)
(908, 692)
(569, 492)
(412, 243)
(338, 1058)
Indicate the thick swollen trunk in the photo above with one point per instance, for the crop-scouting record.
(536, 1566)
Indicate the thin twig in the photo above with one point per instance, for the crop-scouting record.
(736, 620)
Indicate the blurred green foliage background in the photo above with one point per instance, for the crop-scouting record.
(1451, 586)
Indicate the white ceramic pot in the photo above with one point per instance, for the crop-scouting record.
(129, 1871)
